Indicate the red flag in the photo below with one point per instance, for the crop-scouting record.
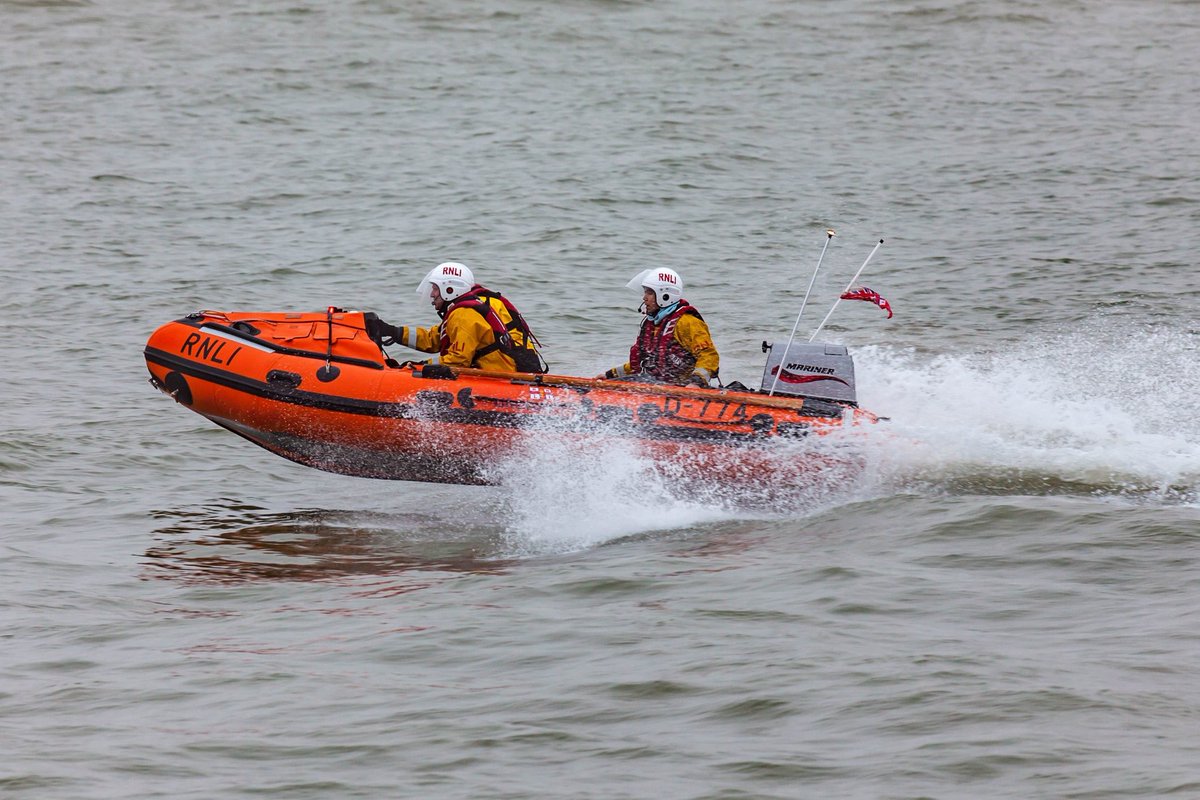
(863, 293)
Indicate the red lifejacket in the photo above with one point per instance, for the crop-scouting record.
(526, 357)
(658, 353)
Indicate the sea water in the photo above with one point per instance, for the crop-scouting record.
(1002, 604)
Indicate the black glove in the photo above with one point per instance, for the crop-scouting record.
(437, 372)
(380, 332)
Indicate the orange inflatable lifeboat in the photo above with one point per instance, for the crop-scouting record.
(318, 389)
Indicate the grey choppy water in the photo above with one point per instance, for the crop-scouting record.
(1004, 606)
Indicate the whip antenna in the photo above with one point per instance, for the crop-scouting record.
(829, 234)
(848, 287)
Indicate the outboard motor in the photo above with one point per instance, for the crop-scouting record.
(811, 369)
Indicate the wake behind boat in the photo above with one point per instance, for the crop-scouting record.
(320, 390)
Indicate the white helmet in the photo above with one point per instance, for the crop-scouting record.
(452, 279)
(666, 283)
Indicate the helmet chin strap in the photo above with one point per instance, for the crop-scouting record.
(662, 312)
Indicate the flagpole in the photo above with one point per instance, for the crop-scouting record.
(829, 234)
(848, 285)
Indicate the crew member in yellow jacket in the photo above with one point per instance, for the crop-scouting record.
(479, 328)
(673, 344)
